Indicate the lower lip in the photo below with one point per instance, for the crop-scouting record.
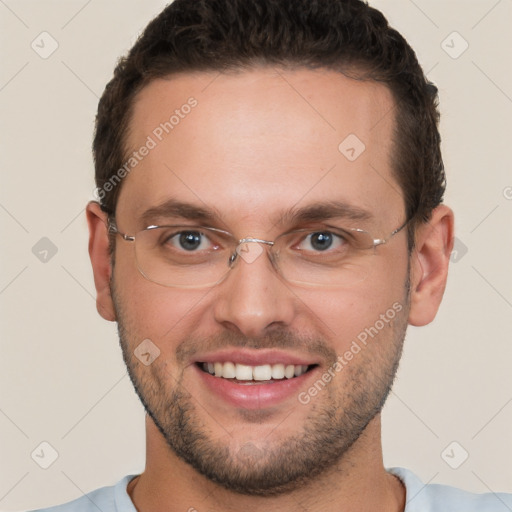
(255, 396)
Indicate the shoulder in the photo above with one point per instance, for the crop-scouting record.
(106, 499)
(435, 497)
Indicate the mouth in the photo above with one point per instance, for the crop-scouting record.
(254, 374)
(256, 380)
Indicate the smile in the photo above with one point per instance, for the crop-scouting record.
(260, 373)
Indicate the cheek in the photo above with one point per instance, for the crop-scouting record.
(152, 311)
(344, 314)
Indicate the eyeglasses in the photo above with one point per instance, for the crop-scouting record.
(194, 257)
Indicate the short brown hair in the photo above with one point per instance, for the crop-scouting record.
(343, 35)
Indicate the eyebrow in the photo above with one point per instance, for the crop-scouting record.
(316, 212)
(322, 211)
(173, 208)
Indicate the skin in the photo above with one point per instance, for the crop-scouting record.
(258, 143)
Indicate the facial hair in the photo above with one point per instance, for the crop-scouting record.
(336, 419)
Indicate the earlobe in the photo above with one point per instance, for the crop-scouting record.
(429, 265)
(100, 259)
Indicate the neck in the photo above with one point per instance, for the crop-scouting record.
(357, 482)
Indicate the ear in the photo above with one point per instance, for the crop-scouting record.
(100, 259)
(429, 265)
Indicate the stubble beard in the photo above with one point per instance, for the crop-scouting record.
(336, 419)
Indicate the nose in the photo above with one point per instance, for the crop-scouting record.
(253, 299)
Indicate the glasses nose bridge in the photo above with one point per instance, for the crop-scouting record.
(251, 239)
(242, 251)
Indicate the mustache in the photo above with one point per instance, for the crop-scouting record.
(277, 339)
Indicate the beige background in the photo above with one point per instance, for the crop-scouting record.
(62, 377)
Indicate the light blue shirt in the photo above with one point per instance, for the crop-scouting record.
(419, 498)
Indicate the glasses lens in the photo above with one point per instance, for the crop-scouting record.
(182, 256)
(325, 257)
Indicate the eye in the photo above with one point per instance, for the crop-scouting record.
(321, 241)
(189, 241)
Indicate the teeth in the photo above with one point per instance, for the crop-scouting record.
(243, 372)
(299, 370)
(263, 372)
(229, 371)
(278, 371)
(289, 371)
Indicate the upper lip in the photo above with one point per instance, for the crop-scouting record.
(256, 357)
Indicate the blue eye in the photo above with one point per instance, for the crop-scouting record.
(189, 241)
(321, 241)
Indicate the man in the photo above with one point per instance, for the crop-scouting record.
(270, 220)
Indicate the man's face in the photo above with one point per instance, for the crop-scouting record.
(258, 147)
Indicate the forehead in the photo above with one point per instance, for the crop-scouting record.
(250, 144)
